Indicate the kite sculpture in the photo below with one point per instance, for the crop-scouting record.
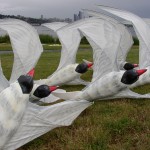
(108, 81)
(37, 120)
(27, 49)
(141, 28)
(68, 72)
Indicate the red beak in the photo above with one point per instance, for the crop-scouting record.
(53, 88)
(135, 65)
(31, 72)
(89, 65)
(141, 71)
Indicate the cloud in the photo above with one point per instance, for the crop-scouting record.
(66, 8)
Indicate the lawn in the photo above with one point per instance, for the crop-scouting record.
(121, 124)
(7, 46)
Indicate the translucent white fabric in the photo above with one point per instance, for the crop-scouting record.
(126, 41)
(70, 39)
(25, 43)
(141, 28)
(55, 25)
(38, 120)
(12, 107)
(104, 37)
(147, 20)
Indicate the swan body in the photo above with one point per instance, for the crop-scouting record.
(12, 107)
(62, 76)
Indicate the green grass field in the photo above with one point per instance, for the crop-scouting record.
(121, 124)
(7, 46)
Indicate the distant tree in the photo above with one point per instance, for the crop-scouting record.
(57, 41)
(46, 39)
(136, 41)
(4, 39)
(84, 41)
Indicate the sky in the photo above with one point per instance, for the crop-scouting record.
(66, 8)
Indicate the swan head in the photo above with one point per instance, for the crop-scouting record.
(131, 76)
(129, 66)
(43, 91)
(83, 67)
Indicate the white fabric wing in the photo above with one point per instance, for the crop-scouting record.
(70, 39)
(127, 93)
(104, 39)
(78, 81)
(26, 46)
(141, 28)
(40, 119)
(147, 20)
(126, 41)
(55, 25)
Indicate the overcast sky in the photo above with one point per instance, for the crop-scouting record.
(66, 8)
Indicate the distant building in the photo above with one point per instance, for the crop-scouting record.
(79, 16)
(76, 17)
(41, 17)
(68, 20)
(36, 21)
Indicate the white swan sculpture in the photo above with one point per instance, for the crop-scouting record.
(104, 37)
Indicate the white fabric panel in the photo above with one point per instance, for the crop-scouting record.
(70, 39)
(3, 81)
(127, 93)
(126, 41)
(78, 81)
(41, 119)
(69, 49)
(55, 25)
(104, 39)
(141, 28)
(147, 20)
(26, 45)
(12, 107)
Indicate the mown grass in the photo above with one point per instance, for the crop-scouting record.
(58, 47)
(7, 46)
(121, 124)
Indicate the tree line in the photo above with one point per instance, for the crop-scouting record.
(47, 39)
